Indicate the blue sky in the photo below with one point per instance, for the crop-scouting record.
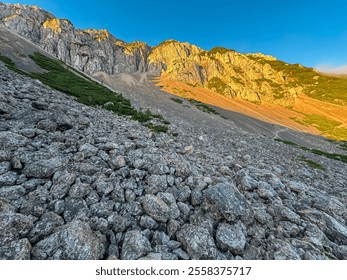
(313, 33)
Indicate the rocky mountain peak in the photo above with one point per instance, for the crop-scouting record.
(99, 35)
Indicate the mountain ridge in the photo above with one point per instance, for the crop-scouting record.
(255, 78)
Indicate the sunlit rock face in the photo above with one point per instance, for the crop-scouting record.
(251, 77)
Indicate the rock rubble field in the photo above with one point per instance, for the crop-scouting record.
(82, 183)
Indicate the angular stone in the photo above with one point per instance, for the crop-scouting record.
(231, 237)
(117, 162)
(135, 246)
(334, 230)
(12, 193)
(39, 105)
(74, 241)
(63, 122)
(158, 169)
(4, 167)
(48, 222)
(44, 168)
(156, 183)
(62, 181)
(182, 255)
(156, 208)
(75, 208)
(147, 222)
(197, 241)
(284, 251)
(88, 150)
(16, 250)
(14, 226)
(226, 201)
(47, 125)
(79, 189)
(8, 179)
(12, 141)
(36, 202)
(102, 209)
(281, 212)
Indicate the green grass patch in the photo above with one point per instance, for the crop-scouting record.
(177, 100)
(85, 90)
(217, 85)
(325, 125)
(11, 65)
(203, 107)
(343, 146)
(157, 128)
(316, 85)
(312, 163)
(220, 50)
(334, 156)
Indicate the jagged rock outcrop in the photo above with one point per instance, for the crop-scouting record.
(93, 185)
(227, 72)
(87, 50)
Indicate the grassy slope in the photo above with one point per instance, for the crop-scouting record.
(87, 91)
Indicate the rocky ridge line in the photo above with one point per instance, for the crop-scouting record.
(232, 74)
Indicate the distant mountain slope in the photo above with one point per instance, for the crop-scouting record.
(256, 78)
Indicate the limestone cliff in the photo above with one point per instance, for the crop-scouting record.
(253, 77)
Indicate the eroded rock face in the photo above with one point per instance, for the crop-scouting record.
(72, 188)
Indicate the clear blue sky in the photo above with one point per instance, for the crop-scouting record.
(298, 31)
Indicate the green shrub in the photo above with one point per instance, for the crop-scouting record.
(312, 163)
(177, 100)
(85, 90)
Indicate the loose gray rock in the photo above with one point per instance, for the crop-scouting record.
(43, 168)
(197, 241)
(12, 141)
(16, 250)
(135, 246)
(74, 241)
(14, 226)
(334, 230)
(231, 237)
(117, 162)
(62, 181)
(224, 200)
(75, 208)
(48, 222)
(156, 208)
(8, 179)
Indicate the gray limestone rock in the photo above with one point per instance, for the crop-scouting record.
(224, 200)
(14, 226)
(62, 181)
(12, 141)
(74, 241)
(197, 241)
(44, 168)
(75, 208)
(16, 250)
(231, 237)
(8, 179)
(47, 224)
(135, 246)
(334, 230)
(156, 208)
